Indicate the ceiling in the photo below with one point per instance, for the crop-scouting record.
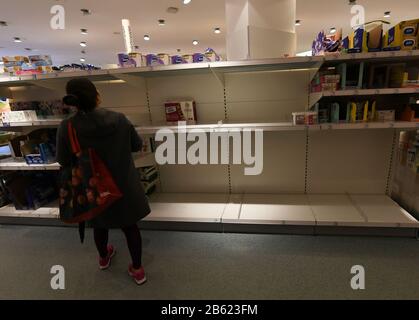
(30, 20)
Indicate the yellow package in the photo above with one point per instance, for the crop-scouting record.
(403, 36)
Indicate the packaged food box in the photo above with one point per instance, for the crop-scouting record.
(178, 59)
(181, 111)
(154, 60)
(18, 116)
(403, 36)
(40, 60)
(133, 59)
(299, 118)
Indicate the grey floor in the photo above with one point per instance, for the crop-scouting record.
(208, 266)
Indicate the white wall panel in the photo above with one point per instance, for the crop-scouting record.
(194, 178)
(121, 95)
(264, 111)
(283, 167)
(203, 88)
(242, 87)
(349, 161)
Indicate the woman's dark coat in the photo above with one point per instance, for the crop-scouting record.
(114, 138)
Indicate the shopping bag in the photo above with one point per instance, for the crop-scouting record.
(87, 187)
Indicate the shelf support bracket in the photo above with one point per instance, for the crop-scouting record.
(219, 76)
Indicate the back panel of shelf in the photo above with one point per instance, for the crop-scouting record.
(266, 96)
(349, 161)
(204, 89)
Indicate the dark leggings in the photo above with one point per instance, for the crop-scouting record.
(133, 235)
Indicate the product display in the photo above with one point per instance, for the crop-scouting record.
(158, 59)
(181, 111)
(305, 118)
(324, 44)
(403, 36)
(31, 190)
(44, 109)
(22, 65)
(131, 60)
(75, 67)
(18, 116)
(38, 147)
(369, 38)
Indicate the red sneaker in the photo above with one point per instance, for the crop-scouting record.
(138, 276)
(104, 263)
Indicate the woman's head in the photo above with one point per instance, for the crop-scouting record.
(81, 93)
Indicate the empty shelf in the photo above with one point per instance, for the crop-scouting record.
(178, 207)
(380, 211)
(335, 210)
(276, 209)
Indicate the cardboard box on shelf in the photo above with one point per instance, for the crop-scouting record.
(181, 111)
(131, 60)
(403, 36)
(18, 116)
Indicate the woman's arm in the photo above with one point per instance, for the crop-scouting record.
(63, 148)
(136, 141)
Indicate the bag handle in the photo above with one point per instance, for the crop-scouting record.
(75, 146)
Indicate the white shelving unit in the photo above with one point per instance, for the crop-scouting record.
(51, 211)
(273, 209)
(322, 176)
(10, 164)
(315, 97)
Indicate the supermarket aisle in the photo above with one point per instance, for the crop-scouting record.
(208, 266)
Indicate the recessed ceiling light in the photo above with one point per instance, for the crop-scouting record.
(333, 30)
(387, 14)
(178, 50)
(83, 44)
(172, 10)
(83, 31)
(82, 60)
(116, 33)
(195, 42)
(3, 24)
(86, 12)
(298, 22)
(217, 30)
(162, 22)
(28, 49)
(187, 1)
(17, 39)
(146, 37)
(83, 51)
(136, 47)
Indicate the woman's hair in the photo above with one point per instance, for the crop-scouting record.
(82, 94)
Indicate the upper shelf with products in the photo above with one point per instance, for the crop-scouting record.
(225, 67)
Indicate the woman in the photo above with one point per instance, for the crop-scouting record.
(114, 139)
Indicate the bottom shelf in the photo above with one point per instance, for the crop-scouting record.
(269, 210)
(273, 209)
(48, 212)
